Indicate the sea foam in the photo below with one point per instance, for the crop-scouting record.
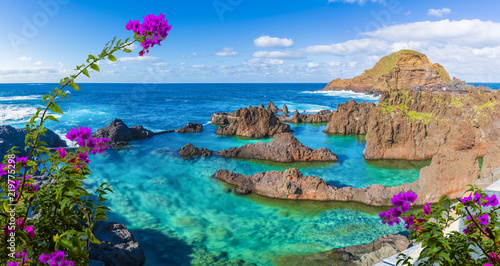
(20, 98)
(347, 94)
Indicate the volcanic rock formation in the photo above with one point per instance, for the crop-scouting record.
(282, 148)
(448, 174)
(254, 122)
(350, 118)
(405, 69)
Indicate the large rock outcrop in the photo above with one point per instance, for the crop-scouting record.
(490, 171)
(405, 69)
(350, 118)
(118, 246)
(368, 254)
(322, 116)
(448, 174)
(222, 118)
(416, 125)
(10, 137)
(119, 133)
(190, 128)
(254, 122)
(282, 148)
(189, 150)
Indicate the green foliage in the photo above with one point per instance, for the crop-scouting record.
(472, 246)
(62, 213)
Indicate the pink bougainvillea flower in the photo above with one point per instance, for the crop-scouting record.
(62, 152)
(427, 208)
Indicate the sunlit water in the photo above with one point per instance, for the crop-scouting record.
(175, 207)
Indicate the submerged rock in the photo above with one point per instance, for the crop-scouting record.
(189, 150)
(282, 148)
(190, 128)
(10, 137)
(118, 246)
(368, 254)
(254, 122)
(448, 174)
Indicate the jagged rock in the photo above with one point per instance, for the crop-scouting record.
(271, 107)
(368, 254)
(139, 132)
(405, 69)
(490, 171)
(448, 174)
(190, 128)
(282, 148)
(417, 125)
(117, 132)
(189, 150)
(254, 122)
(350, 118)
(118, 246)
(10, 137)
(222, 118)
(322, 116)
(285, 110)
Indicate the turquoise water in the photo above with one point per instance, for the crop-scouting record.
(175, 207)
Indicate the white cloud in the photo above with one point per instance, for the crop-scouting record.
(438, 12)
(279, 54)
(473, 33)
(361, 2)
(133, 46)
(24, 58)
(160, 64)
(38, 63)
(366, 46)
(198, 66)
(138, 59)
(312, 65)
(227, 52)
(266, 41)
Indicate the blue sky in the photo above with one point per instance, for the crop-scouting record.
(248, 40)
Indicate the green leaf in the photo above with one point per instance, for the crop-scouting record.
(51, 117)
(66, 243)
(95, 67)
(126, 50)
(85, 72)
(112, 58)
(46, 96)
(55, 108)
(74, 86)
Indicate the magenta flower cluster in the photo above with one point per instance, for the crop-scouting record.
(401, 204)
(55, 259)
(83, 137)
(480, 200)
(154, 29)
(23, 256)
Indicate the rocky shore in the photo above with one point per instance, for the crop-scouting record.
(254, 122)
(362, 255)
(120, 134)
(448, 174)
(282, 148)
(10, 137)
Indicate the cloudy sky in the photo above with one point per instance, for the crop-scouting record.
(248, 40)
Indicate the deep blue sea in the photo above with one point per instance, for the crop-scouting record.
(175, 208)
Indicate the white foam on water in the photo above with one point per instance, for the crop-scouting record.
(207, 123)
(20, 98)
(346, 94)
(13, 114)
(63, 137)
(308, 108)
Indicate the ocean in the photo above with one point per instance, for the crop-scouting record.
(176, 209)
